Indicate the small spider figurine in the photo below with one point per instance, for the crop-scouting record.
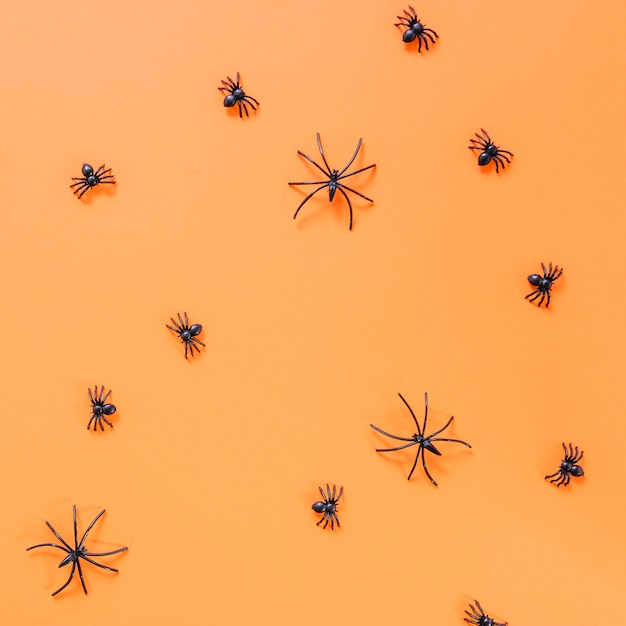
(543, 283)
(79, 551)
(188, 334)
(479, 618)
(91, 179)
(334, 176)
(99, 408)
(489, 151)
(237, 96)
(415, 29)
(569, 467)
(329, 506)
(420, 439)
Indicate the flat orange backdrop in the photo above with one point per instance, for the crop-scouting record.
(311, 330)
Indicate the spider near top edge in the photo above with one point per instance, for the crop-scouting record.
(334, 177)
(235, 95)
(91, 179)
(415, 30)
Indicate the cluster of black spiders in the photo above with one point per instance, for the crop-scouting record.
(334, 180)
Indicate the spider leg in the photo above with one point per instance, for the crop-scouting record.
(80, 574)
(502, 154)
(432, 480)
(106, 553)
(186, 348)
(107, 421)
(50, 545)
(420, 450)
(345, 195)
(548, 302)
(336, 518)
(319, 146)
(394, 436)
(357, 172)
(56, 534)
(105, 397)
(419, 430)
(110, 569)
(340, 494)
(95, 519)
(332, 499)
(242, 104)
(408, 445)
(251, 100)
(85, 187)
(195, 340)
(438, 431)
(543, 295)
(324, 185)
(68, 580)
(323, 495)
(319, 167)
(90, 396)
(427, 33)
(535, 293)
(358, 147)
(452, 440)
(419, 43)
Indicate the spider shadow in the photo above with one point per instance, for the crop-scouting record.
(105, 190)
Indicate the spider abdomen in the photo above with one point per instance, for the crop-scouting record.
(409, 35)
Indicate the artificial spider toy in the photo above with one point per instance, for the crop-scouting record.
(479, 618)
(328, 507)
(334, 177)
(100, 408)
(489, 151)
(420, 439)
(543, 283)
(79, 551)
(188, 334)
(237, 96)
(91, 179)
(415, 29)
(569, 467)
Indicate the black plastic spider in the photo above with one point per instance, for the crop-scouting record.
(489, 151)
(415, 29)
(237, 96)
(543, 283)
(188, 334)
(569, 467)
(334, 176)
(91, 179)
(100, 408)
(420, 439)
(328, 507)
(78, 552)
(480, 618)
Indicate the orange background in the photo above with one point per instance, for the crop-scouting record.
(311, 330)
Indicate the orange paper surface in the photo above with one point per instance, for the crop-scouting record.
(311, 329)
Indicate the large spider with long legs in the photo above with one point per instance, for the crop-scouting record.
(334, 177)
(100, 408)
(79, 551)
(237, 96)
(91, 179)
(479, 618)
(328, 506)
(415, 29)
(188, 334)
(489, 151)
(543, 283)
(420, 439)
(569, 466)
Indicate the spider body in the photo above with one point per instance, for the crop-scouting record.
(420, 439)
(569, 467)
(100, 408)
(479, 618)
(79, 551)
(328, 506)
(489, 151)
(188, 334)
(543, 283)
(237, 96)
(91, 179)
(415, 29)
(335, 177)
